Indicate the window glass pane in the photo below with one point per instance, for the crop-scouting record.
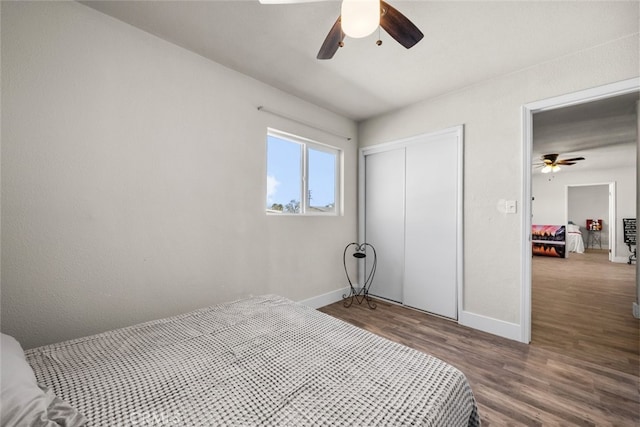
(284, 171)
(321, 195)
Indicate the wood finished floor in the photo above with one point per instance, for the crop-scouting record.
(581, 306)
(585, 374)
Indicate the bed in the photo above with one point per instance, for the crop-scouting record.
(258, 361)
(575, 242)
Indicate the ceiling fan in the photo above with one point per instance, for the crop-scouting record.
(550, 162)
(359, 18)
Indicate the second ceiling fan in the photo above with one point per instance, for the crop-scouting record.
(551, 163)
(359, 18)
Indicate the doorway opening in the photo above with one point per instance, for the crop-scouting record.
(581, 306)
(583, 97)
(591, 209)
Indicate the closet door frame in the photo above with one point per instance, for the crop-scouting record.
(458, 133)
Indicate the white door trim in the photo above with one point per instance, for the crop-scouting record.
(580, 97)
(613, 223)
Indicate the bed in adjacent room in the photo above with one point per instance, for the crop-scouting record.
(575, 242)
(263, 360)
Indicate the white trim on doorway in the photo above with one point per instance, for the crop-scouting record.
(588, 95)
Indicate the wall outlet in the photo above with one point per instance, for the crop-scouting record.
(636, 310)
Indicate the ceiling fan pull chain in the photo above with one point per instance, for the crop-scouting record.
(379, 42)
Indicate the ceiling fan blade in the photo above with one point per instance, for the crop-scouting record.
(332, 42)
(550, 157)
(565, 163)
(574, 159)
(398, 26)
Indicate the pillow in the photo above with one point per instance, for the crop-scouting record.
(24, 402)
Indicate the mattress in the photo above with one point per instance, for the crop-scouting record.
(575, 242)
(258, 361)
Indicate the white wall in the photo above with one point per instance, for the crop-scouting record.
(492, 115)
(549, 205)
(133, 180)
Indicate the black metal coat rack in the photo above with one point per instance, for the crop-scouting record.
(362, 293)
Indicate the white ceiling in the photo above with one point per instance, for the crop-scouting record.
(465, 42)
(603, 132)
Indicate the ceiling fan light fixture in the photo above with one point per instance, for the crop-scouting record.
(359, 18)
(550, 168)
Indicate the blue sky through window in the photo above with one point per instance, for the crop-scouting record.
(322, 172)
(284, 169)
(284, 173)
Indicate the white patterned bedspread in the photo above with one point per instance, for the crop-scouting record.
(575, 242)
(259, 361)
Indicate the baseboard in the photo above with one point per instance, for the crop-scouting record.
(325, 299)
(501, 328)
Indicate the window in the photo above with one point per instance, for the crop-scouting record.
(302, 176)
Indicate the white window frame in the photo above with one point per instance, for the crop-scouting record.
(307, 144)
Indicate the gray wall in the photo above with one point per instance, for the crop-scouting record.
(134, 180)
(491, 112)
(133, 176)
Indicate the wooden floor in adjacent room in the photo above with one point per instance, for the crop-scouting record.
(580, 369)
(582, 306)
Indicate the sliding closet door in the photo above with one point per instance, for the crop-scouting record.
(431, 250)
(384, 220)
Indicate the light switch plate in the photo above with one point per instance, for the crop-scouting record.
(510, 206)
